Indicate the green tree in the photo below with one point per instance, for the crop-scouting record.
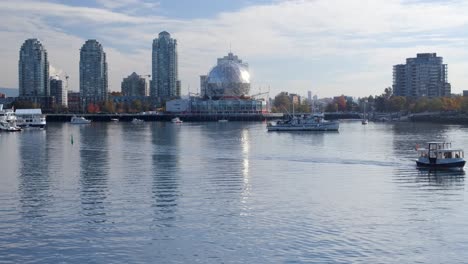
(397, 103)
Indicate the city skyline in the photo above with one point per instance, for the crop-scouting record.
(328, 47)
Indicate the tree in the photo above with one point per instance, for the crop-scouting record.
(341, 102)
(331, 107)
(397, 103)
(137, 105)
(282, 102)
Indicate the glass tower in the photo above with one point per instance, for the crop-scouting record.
(165, 83)
(33, 70)
(93, 73)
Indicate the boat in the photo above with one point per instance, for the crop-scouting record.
(440, 155)
(313, 122)
(364, 119)
(223, 120)
(114, 120)
(137, 121)
(8, 120)
(30, 118)
(79, 120)
(176, 120)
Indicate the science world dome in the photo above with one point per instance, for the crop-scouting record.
(229, 78)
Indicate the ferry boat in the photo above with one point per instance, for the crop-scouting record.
(440, 155)
(30, 118)
(314, 122)
(79, 120)
(8, 120)
(176, 120)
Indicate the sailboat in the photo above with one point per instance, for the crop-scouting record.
(364, 120)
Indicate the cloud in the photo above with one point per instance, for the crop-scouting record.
(332, 47)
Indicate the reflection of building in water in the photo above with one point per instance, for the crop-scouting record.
(228, 161)
(34, 180)
(165, 172)
(94, 171)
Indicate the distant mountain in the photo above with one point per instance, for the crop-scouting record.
(9, 92)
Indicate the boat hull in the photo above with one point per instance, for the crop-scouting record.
(328, 127)
(455, 164)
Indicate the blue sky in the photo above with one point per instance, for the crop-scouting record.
(330, 47)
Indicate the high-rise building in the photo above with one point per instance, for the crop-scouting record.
(134, 85)
(33, 69)
(58, 91)
(425, 75)
(165, 81)
(93, 73)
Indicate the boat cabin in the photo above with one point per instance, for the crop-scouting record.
(440, 150)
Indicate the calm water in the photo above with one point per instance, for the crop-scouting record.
(229, 193)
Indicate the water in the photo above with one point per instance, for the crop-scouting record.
(228, 193)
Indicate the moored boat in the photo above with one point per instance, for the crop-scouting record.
(30, 118)
(137, 121)
(79, 120)
(8, 120)
(314, 122)
(176, 120)
(440, 155)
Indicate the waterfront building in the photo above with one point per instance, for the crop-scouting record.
(425, 75)
(93, 73)
(33, 70)
(165, 83)
(58, 91)
(229, 78)
(134, 85)
(197, 106)
(465, 93)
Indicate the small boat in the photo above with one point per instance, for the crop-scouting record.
(314, 122)
(114, 120)
(79, 120)
(440, 155)
(223, 120)
(137, 121)
(365, 121)
(176, 120)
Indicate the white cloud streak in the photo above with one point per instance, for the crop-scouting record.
(330, 46)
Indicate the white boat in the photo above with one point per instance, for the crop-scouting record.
(114, 120)
(8, 120)
(79, 120)
(30, 118)
(365, 121)
(223, 120)
(137, 121)
(314, 122)
(440, 155)
(176, 120)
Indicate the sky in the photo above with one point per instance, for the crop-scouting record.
(330, 47)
